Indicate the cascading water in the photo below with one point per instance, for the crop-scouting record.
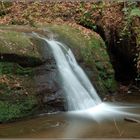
(79, 91)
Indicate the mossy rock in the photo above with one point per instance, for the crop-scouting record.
(18, 47)
(13, 111)
(17, 94)
(91, 54)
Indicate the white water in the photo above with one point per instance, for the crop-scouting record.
(79, 91)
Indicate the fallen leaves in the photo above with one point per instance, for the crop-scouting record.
(13, 83)
(25, 12)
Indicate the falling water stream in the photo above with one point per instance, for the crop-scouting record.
(80, 93)
(87, 117)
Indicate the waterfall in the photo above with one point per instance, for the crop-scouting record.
(80, 93)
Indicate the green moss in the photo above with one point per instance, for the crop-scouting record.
(14, 68)
(96, 56)
(17, 95)
(17, 91)
(13, 110)
(18, 47)
(18, 43)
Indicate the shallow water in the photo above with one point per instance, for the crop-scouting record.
(58, 126)
(74, 125)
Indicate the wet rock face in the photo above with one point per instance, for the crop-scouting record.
(48, 83)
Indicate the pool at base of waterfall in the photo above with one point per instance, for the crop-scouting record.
(79, 124)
